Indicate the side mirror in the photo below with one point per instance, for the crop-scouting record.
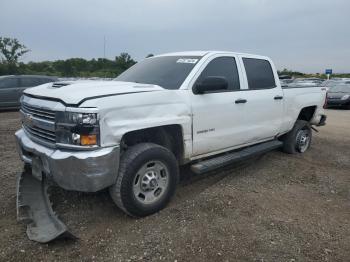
(211, 83)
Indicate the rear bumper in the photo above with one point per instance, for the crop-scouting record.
(87, 171)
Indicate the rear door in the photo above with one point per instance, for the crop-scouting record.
(263, 111)
(9, 92)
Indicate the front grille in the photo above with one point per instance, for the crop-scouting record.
(40, 113)
(39, 123)
(41, 133)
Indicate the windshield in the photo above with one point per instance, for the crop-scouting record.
(166, 71)
(340, 89)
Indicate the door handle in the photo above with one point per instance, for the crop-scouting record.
(241, 101)
(278, 97)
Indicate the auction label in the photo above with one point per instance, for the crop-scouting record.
(187, 60)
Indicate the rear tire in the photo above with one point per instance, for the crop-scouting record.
(298, 140)
(147, 179)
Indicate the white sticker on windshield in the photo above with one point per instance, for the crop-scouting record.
(187, 60)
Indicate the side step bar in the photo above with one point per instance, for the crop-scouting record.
(35, 210)
(229, 158)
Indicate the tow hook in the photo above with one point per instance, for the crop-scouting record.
(35, 210)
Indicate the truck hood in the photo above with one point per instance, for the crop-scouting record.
(76, 92)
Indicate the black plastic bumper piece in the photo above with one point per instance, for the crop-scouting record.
(35, 210)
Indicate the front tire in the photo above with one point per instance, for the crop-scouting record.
(298, 140)
(147, 179)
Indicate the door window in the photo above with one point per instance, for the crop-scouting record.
(46, 80)
(9, 83)
(222, 67)
(259, 73)
(30, 81)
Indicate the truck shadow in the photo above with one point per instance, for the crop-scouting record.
(83, 212)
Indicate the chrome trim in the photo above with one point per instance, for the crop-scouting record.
(38, 126)
(38, 140)
(38, 112)
(76, 147)
(49, 125)
(40, 133)
(82, 109)
(43, 104)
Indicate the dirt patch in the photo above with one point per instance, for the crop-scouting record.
(278, 207)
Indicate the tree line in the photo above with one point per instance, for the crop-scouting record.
(11, 50)
(73, 67)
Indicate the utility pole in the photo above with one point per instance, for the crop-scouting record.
(104, 47)
(104, 53)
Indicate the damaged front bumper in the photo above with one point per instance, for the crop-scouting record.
(87, 171)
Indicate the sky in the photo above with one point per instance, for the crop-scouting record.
(302, 35)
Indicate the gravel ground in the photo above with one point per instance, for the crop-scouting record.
(277, 207)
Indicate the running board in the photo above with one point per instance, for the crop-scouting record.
(229, 158)
(35, 210)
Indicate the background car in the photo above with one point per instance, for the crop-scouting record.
(307, 82)
(286, 82)
(336, 81)
(11, 88)
(339, 96)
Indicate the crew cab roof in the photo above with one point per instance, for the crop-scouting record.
(203, 53)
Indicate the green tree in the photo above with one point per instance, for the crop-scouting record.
(11, 50)
(72, 67)
(124, 61)
(285, 71)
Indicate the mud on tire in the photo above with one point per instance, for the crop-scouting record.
(147, 179)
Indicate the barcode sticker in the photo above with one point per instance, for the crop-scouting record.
(187, 60)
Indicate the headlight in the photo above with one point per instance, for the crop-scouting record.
(345, 97)
(78, 128)
(83, 118)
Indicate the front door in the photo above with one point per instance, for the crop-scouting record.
(217, 122)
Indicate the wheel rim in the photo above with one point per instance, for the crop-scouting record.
(151, 182)
(303, 140)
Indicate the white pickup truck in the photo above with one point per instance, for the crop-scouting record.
(208, 109)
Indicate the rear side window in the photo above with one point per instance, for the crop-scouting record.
(30, 81)
(222, 67)
(259, 73)
(8, 83)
